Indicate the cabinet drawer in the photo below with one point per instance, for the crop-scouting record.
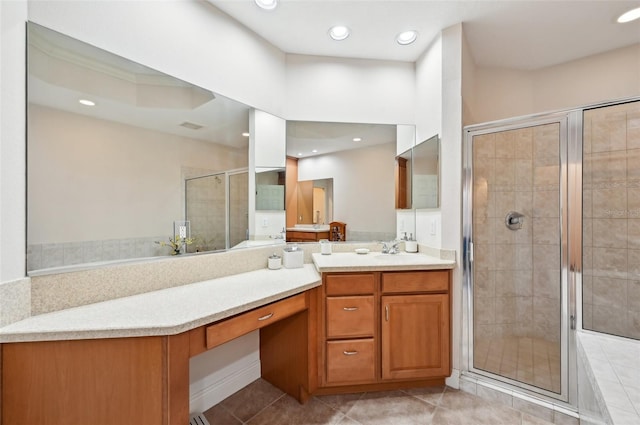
(351, 361)
(350, 316)
(431, 281)
(349, 284)
(306, 236)
(244, 323)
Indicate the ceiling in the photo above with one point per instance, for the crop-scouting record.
(307, 138)
(517, 34)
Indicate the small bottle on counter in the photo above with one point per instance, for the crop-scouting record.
(274, 262)
(325, 247)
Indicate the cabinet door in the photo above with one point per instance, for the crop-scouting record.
(415, 336)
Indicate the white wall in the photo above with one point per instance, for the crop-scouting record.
(429, 89)
(13, 15)
(190, 40)
(363, 185)
(451, 171)
(505, 93)
(130, 193)
(428, 78)
(267, 148)
(349, 90)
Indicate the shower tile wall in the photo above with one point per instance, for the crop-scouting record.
(206, 212)
(517, 273)
(238, 208)
(611, 220)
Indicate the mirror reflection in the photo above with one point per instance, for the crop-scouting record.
(359, 159)
(403, 180)
(270, 185)
(118, 152)
(315, 202)
(425, 172)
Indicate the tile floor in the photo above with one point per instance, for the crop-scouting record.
(534, 361)
(261, 403)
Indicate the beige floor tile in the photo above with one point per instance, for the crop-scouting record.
(287, 411)
(246, 403)
(391, 407)
(218, 415)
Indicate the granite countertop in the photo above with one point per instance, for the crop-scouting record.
(376, 261)
(167, 311)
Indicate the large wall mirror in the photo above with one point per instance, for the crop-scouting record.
(417, 176)
(118, 152)
(358, 160)
(425, 171)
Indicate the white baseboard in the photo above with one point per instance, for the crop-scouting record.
(454, 380)
(218, 373)
(218, 390)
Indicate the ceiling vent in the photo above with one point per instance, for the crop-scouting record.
(190, 125)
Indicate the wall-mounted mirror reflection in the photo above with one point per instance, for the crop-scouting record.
(207, 200)
(425, 174)
(403, 180)
(270, 185)
(315, 202)
(111, 145)
(359, 158)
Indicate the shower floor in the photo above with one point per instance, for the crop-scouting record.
(534, 361)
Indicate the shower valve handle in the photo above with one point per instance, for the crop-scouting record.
(513, 220)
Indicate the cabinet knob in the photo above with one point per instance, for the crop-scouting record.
(350, 353)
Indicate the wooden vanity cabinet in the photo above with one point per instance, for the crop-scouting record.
(295, 236)
(146, 379)
(350, 331)
(382, 330)
(415, 331)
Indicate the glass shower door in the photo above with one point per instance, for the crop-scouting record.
(611, 220)
(517, 294)
(205, 210)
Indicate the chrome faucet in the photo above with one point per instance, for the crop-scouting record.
(390, 247)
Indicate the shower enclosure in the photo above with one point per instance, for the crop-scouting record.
(551, 215)
(217, 208)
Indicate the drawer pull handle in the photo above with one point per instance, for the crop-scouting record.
(268, 316)
(349, 308)
(386, 312)
(350, 353)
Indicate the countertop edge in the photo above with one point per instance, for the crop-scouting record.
(39, 334)
(332, 269)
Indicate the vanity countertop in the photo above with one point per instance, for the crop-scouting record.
(309, 228)
(376, 261)
(167, 311)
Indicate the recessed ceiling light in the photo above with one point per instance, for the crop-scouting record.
(299, 153)
(87, 102)
(357, 139)
(267, 4)
(629, 16)
(245, 134)
(407, 37)
(339, 32)
(315, 151)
